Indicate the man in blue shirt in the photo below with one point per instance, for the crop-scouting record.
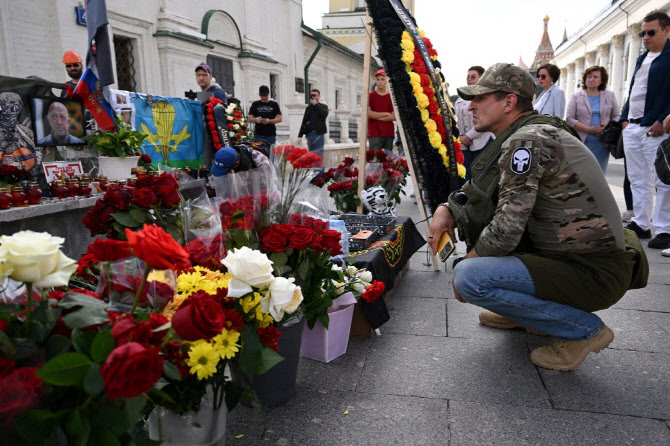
(203, 76)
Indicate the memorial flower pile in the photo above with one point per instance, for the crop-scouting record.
(154, 199)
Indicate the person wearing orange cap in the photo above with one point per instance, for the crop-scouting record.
(74, 68)
(381, 115)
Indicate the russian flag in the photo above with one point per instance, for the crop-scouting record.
(89, 90)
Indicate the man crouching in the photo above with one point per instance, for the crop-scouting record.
(553, 249)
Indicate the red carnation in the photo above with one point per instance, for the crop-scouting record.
(270, 337)
(373, 291)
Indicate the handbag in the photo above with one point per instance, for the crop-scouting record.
(611, 133)
(662, 162)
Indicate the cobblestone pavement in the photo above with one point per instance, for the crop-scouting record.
(437, 377)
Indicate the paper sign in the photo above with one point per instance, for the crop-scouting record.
(53, 169)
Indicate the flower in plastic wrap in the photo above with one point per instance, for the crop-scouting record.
(248, 268)
(35, 257)
(5, 267)
(284, 296)
(157, 248)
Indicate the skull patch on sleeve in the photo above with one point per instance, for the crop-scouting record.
(520, 162)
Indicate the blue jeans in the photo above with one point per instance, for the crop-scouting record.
(315, 143)
(269, 139)
(504, 285)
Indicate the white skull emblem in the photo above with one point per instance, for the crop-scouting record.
(521, 160)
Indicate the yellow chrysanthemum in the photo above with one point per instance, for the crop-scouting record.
(407, 57)
(250, 302)
(461, 170)
(424, 114)
(406, 35)
(435, 139)
(226, 343)
(203, 358)
(157, 276)
(414, 78)
(430, 125)
(433, 58)
(442, 149)
(423, 100)
(266, 320)
(188, 283)
(421, 33)
(407, 45)
(417, 90)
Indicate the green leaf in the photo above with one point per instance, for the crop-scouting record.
(279, 259)
(102, 346)
(93, 381)
(73, 425)
(171, 371)
(83, 340)
(37, 425)
(82, 439)
(141, 215)
(133, 407)
(303, 270)
(103, 437)
(269, 359)
(67, 369)
(85, 317)
(232, 393)
(250, 356)
(125, 219)
(71, 300)
(56, 345)
(175, 233)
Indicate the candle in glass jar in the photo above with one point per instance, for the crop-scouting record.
(5, 197)
(18, 196)
(34, 193)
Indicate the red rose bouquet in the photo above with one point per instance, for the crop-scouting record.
(13, 175)
(302, 252)
(154, 199)
(296, 167)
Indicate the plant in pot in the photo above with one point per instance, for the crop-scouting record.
(119, 149)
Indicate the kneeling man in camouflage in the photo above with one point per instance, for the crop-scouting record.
(546, 246)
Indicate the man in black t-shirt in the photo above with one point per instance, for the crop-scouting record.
(265, 113)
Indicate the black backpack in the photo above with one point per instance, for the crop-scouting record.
(662, 162)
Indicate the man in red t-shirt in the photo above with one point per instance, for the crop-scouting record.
(381, 115)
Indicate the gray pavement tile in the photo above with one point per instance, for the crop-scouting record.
(341, 373)
(470, 370)
(659, 274)
(318, 418)
(654, 297)
(424, 284)
(463, 322)
(616, 382)
(662, 320)
(424, 316)
(654, 255)
(636, 330)
(501, 425)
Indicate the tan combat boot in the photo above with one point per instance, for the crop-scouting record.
(566, 355)
(491, 319)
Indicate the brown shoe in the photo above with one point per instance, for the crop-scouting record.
(566, 355)
(491, 319)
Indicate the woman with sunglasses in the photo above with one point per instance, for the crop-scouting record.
(590, 109)
(552, 99)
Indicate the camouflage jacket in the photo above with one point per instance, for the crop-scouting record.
(551, 186)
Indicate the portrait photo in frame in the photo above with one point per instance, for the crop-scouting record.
(58, 121)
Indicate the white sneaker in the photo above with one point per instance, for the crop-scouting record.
(666, 252)
(627, 216)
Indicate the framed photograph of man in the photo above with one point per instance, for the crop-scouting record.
(58, 121)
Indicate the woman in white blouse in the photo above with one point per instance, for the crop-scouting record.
(552, 99)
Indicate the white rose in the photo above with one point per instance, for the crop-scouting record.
(35, 257)
(339, 287)
(231, 133)
(283, 296)
(5, 267)
(236, 126)
(351, 271)
(250, 266)
(229, 118)
(366, 277)
(231, 108)
(359, 287)
(336, 267)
